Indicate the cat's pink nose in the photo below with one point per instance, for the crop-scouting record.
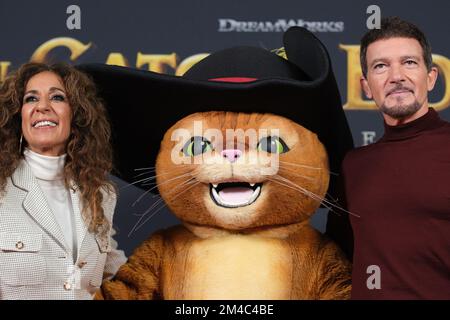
(231, 154)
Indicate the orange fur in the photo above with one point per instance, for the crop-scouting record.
(265, 250)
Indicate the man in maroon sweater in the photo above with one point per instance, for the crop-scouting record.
(398, 189)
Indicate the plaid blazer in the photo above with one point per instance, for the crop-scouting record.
(35, 262)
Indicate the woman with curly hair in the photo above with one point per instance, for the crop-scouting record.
(56, 199)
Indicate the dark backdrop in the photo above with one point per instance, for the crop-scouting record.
(186, 28)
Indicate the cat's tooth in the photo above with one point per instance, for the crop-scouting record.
(252, 184)
(216, 196)
(255, 195)
(215, 185)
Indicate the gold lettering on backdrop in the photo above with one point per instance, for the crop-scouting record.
(160, 62)
(443, 65)
(156, 62)
(187, 63)
(117, 59)
(354, 73)
(76, 48)
(355, 99)
(4, 70)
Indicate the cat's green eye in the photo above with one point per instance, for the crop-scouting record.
(195, 146)
(272, 145)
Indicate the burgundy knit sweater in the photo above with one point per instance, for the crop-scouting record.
(400, 188)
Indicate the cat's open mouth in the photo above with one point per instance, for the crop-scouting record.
(235, 194)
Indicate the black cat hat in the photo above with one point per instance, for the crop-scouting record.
(143, 105)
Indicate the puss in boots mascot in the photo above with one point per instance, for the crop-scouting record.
(243, 145)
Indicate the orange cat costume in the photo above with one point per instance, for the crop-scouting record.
(245, 231)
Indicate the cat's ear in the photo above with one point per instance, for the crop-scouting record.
(307, 52)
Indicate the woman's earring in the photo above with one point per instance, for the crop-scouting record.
(20, 144)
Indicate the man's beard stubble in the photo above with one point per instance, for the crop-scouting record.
(401, 111)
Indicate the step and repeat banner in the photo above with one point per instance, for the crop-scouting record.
(170, 36)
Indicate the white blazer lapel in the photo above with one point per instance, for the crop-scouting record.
(36, 204)
(81, 226)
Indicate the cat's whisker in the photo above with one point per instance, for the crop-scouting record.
(149, 190)
(145, 168)
(140, 197)
(315, 196)
(308, 167)
(296, 174)
(299, 190)
(330, 204)
(153, 168)
(137, 214)
(187, 174)
(145, 180)
(300, 165)
(155, 204)
(135, 182)
(144, 173)
(295, 186)
(137, 226)
(310, 193)
(332, 198)
(291, 170)
(148, 184)
(161, 174)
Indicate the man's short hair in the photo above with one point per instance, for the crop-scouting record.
(392, 27)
